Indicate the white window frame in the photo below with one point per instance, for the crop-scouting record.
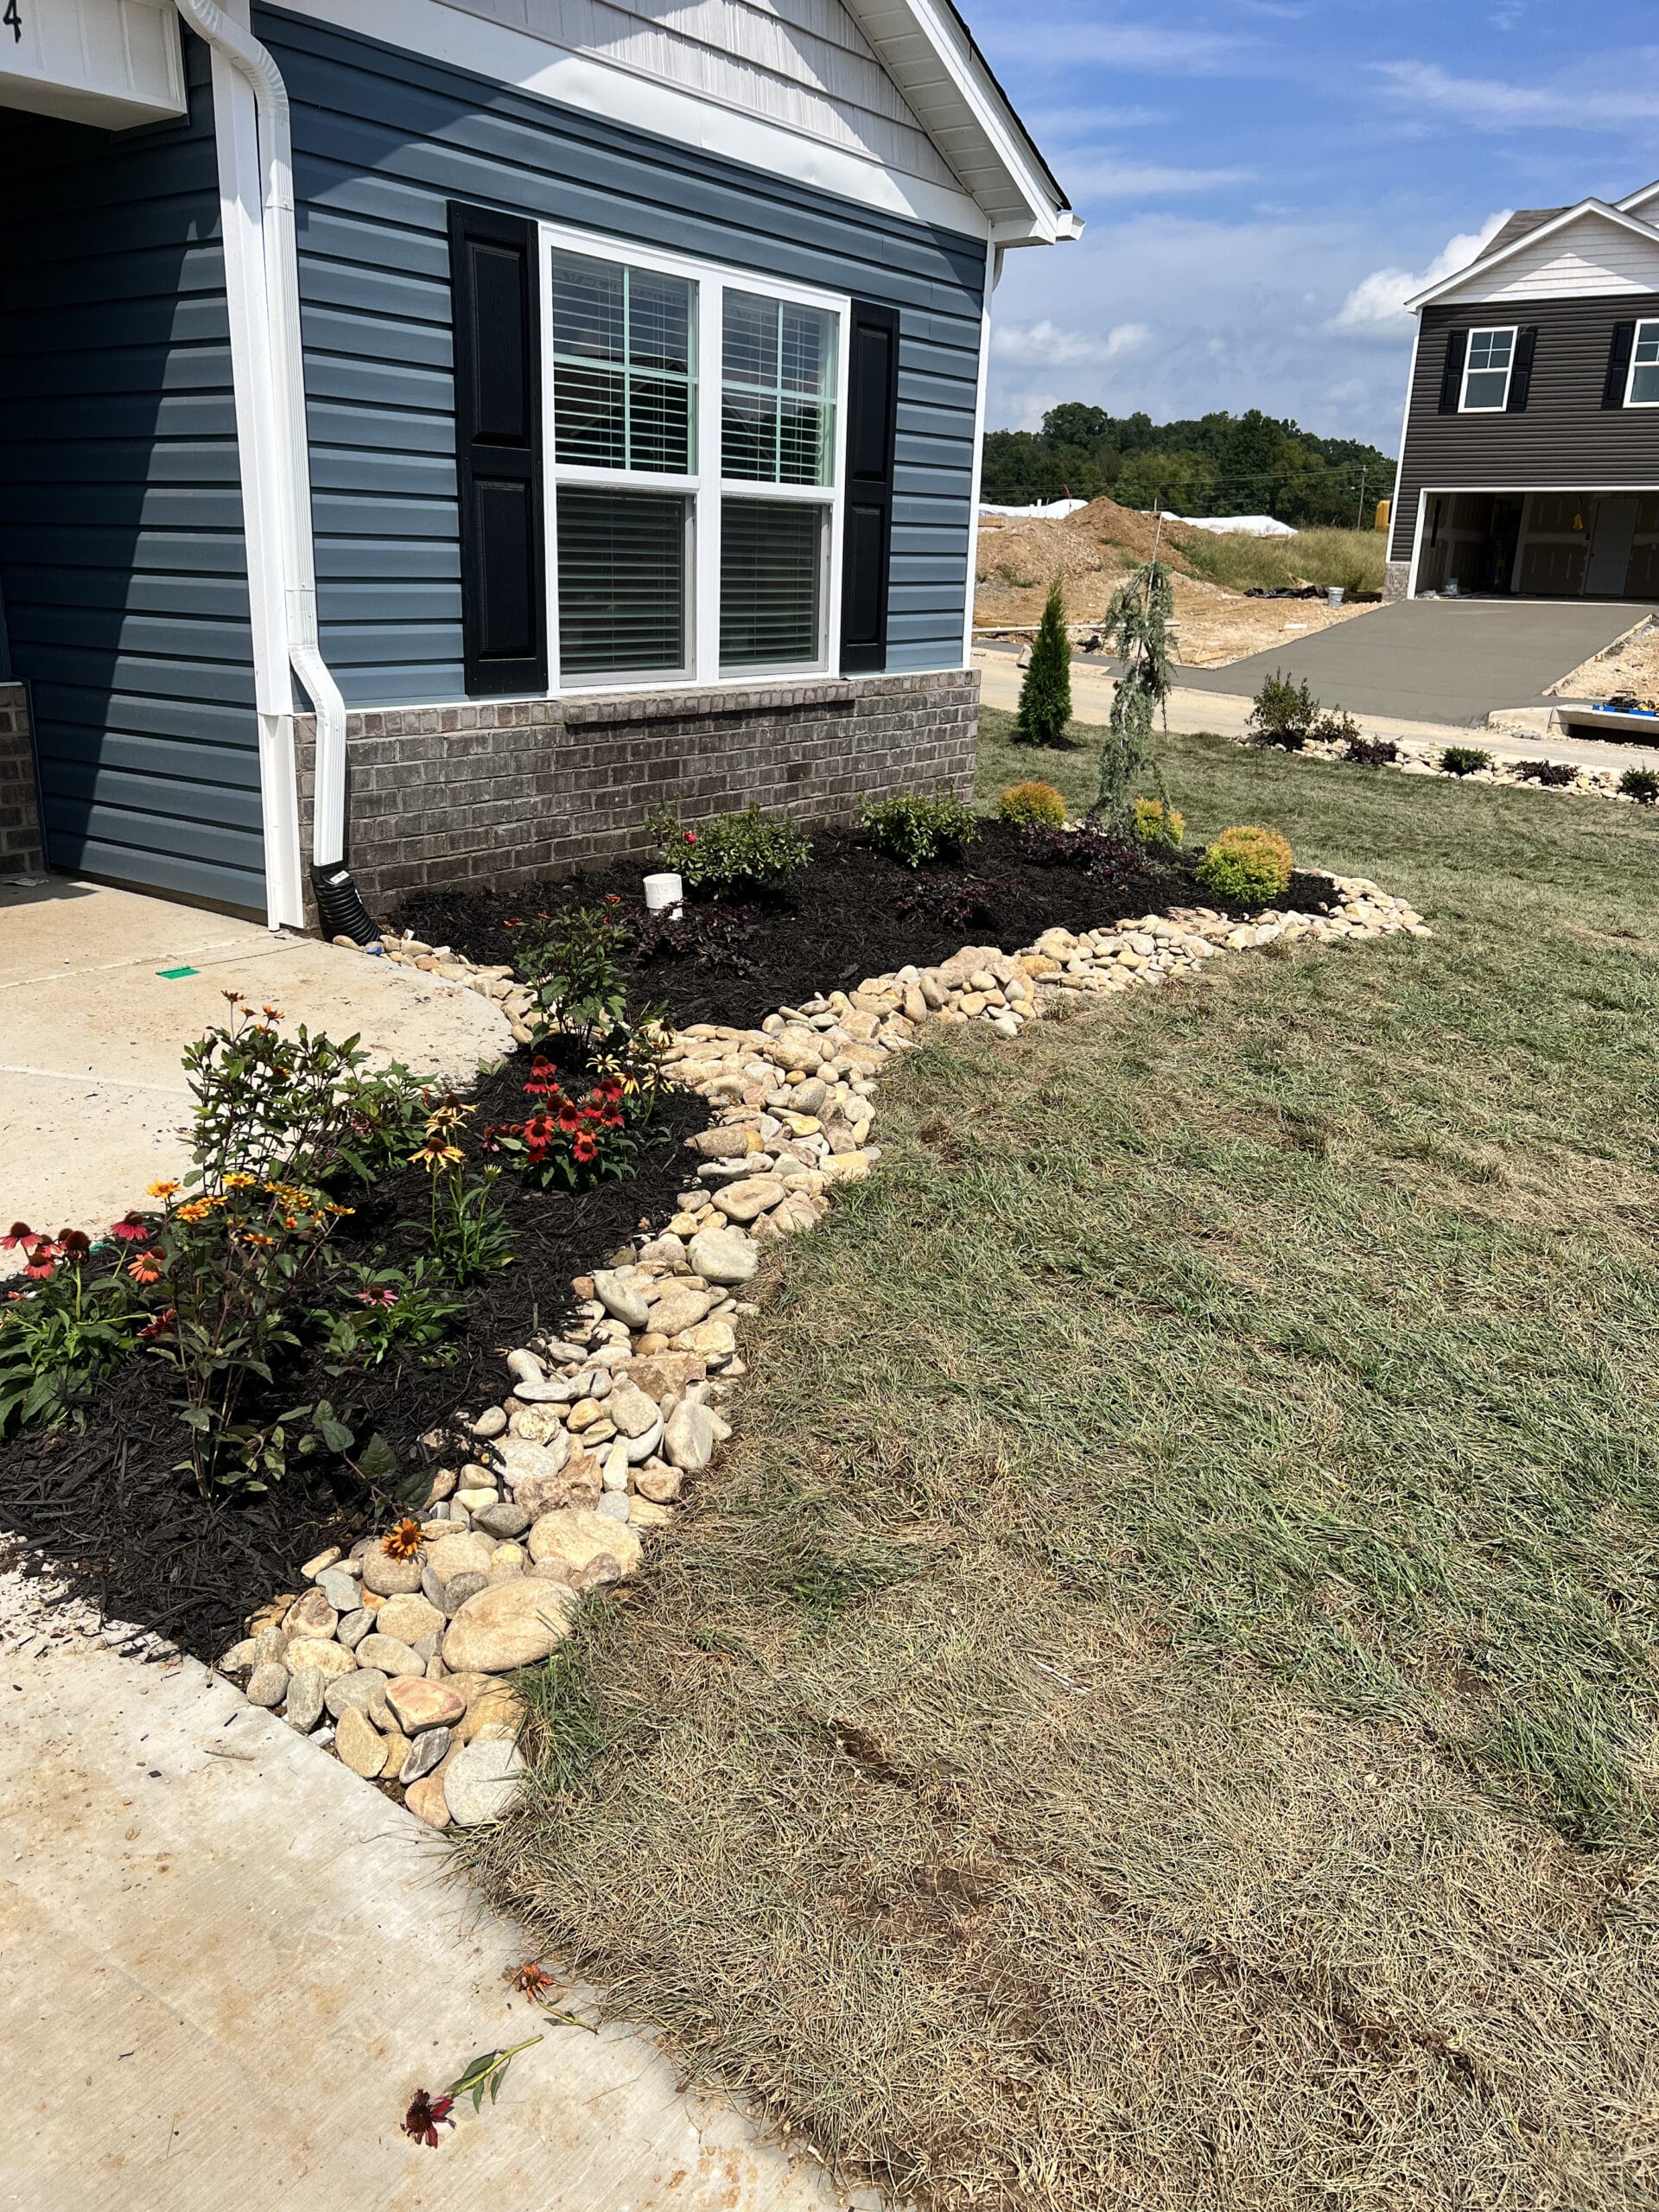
(1512, 331)
(705, 489)
(1651, 323)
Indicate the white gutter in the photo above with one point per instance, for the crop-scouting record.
(287, 428)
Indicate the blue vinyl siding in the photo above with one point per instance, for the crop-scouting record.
(382, 138)
(121, 553)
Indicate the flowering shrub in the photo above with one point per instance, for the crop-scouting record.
(1032, 802)
(575, 1141)
(62, 1335)
(1245, 866)
(913, 829)
(751, 852)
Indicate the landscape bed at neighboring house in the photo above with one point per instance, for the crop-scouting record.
(115, 1506)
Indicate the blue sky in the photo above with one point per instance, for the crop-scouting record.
(1263, 181)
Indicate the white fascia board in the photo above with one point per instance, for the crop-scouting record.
(1635, 200)
(620, 95)
(1597, 208)
(928, 55)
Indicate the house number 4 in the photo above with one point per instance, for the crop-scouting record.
(14, 21)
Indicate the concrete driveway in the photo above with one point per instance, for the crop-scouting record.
(1435, 660)
(100, 991)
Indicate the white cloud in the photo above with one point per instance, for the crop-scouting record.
(1377, 306)
(1046, 345)
(1493, 104)
(1087, 178)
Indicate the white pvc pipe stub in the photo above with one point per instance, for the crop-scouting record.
(663, 894)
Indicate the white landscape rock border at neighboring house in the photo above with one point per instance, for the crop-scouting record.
(399, 1665)
(1421, 757)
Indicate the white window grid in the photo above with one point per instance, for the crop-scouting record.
(1471, 367)
(1644, 364)
(705, 489)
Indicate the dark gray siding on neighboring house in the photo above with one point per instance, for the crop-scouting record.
(382, 138)
(121, 554)
(1565, 440)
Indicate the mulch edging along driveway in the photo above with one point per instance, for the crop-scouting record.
(398, 1655)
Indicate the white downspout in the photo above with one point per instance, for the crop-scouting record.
(288, 429)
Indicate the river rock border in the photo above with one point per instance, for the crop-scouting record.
(394, 1657)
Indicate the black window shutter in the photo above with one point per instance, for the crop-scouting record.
(872, 410)
(1618, 364)
(1457, 346)
(1526, 345)
(492, 273)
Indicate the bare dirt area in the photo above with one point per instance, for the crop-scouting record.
(1090, 551)
(1631, 663)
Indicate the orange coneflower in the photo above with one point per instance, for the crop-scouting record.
(404, 1542)
(530, 1980)
(147, 1268)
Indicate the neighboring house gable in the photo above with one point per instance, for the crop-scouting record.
(1589, 255)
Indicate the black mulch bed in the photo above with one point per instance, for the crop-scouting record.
(850, 914)
(131, 1533)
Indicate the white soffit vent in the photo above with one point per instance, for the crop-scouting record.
(114, 63)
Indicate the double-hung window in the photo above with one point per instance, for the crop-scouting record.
(1486, 372)
(1645, 368)
(695, 445)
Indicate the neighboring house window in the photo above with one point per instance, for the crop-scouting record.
(694, 518)
(1486, 372)
(1645, 368)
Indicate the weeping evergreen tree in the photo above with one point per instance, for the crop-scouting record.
(1136, 626)
(1046, 695)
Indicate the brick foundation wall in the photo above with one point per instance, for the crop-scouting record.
(504, 790)
(19, 814)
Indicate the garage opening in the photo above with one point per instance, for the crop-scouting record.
(1540, 545)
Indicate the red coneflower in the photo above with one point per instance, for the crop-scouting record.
(132, 1228)
(425, 2116)
(158, 1327)
(42, 1258)
(530, 1980)
(74, 1244)
(585, 1150)
(19, 1233)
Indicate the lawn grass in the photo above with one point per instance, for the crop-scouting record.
(1157, 1706)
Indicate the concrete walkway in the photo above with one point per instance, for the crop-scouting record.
(226, 1964)
(1227, 713)
(100, 991)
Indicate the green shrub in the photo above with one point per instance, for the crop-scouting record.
(573, 965)
(1641, 785)
(1033, 802)
(1157, 827)
(748, 853)
(1046, 695)
(1284, 713)
(1464, 759)
(1245, 866)
(913, 829)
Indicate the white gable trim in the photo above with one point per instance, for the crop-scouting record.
(968, 122)
(1635, 201)
(1568, 274)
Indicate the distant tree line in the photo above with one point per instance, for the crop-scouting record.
(1219, 465)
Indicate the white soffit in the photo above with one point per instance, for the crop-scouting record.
(1584, 251)
(112, 63)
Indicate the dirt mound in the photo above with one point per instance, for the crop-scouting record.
(1025, 551)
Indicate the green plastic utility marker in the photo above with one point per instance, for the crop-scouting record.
(171, 974)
